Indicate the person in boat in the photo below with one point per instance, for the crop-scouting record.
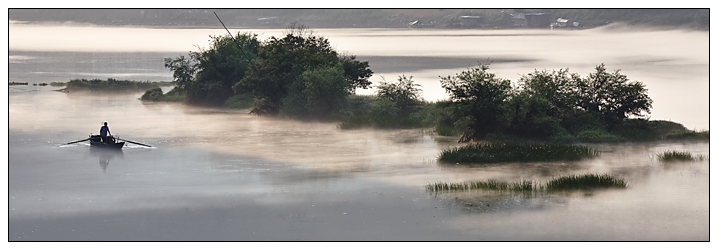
(104, 131)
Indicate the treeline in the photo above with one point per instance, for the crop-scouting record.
(356, 18)
(301, 76)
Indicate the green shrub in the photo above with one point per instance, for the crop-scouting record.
(662, 128)
(636, 130)
(356, 121)
(240, 101)
(688, 135)
(152, 95)
(156, 95)
(596, 136)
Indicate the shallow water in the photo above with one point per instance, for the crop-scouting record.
(226, 175)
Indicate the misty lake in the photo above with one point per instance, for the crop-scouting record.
(225, 175)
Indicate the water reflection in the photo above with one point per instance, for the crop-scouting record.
(105, 155)
(502, 202)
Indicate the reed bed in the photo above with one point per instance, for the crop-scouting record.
(588, 181)
(573, 182)
(674, 155)
(481, 185)
(516, 152)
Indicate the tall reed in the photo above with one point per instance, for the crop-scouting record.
(674, 155)
(572, 182)
(588, 181)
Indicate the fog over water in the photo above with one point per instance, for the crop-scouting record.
(217, 174)
(673, 64)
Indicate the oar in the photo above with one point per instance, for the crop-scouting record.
(77, 141)
(136, 143)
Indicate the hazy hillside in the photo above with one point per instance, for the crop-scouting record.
(365, 18)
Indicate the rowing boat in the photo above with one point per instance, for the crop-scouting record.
(96, 141)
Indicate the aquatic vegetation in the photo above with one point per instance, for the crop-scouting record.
(111, 85)
(564, 183)
(588, 181)
(674, 155)
(482, 185)
(516, 152)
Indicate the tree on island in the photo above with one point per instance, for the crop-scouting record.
(545, 104)
(478, 100)
(284, 71)
(207, 76)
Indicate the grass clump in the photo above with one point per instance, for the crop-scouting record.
(588, 181)
(516, 152)
(564, 183)
(678, 156)
(522, 186)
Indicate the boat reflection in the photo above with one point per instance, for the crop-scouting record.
(105, 155)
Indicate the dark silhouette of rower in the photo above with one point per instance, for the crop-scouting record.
(104, 131)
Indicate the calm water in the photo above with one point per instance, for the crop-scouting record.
(225, 175)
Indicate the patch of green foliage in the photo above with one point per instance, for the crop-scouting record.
(674, 155)
(478, 99)
(240, 101)
(156, 95)
(301, 75)
(688, 135)
(17, 83)
(546, 105)
(588, 181)
(208, 75)
(515, 152)
(563, 183)
(110, 85)
(396, 105)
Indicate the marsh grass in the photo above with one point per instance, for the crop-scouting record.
(522, 186)
(674, 155)
(516, 152)
(588, 181)
(564, 183)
